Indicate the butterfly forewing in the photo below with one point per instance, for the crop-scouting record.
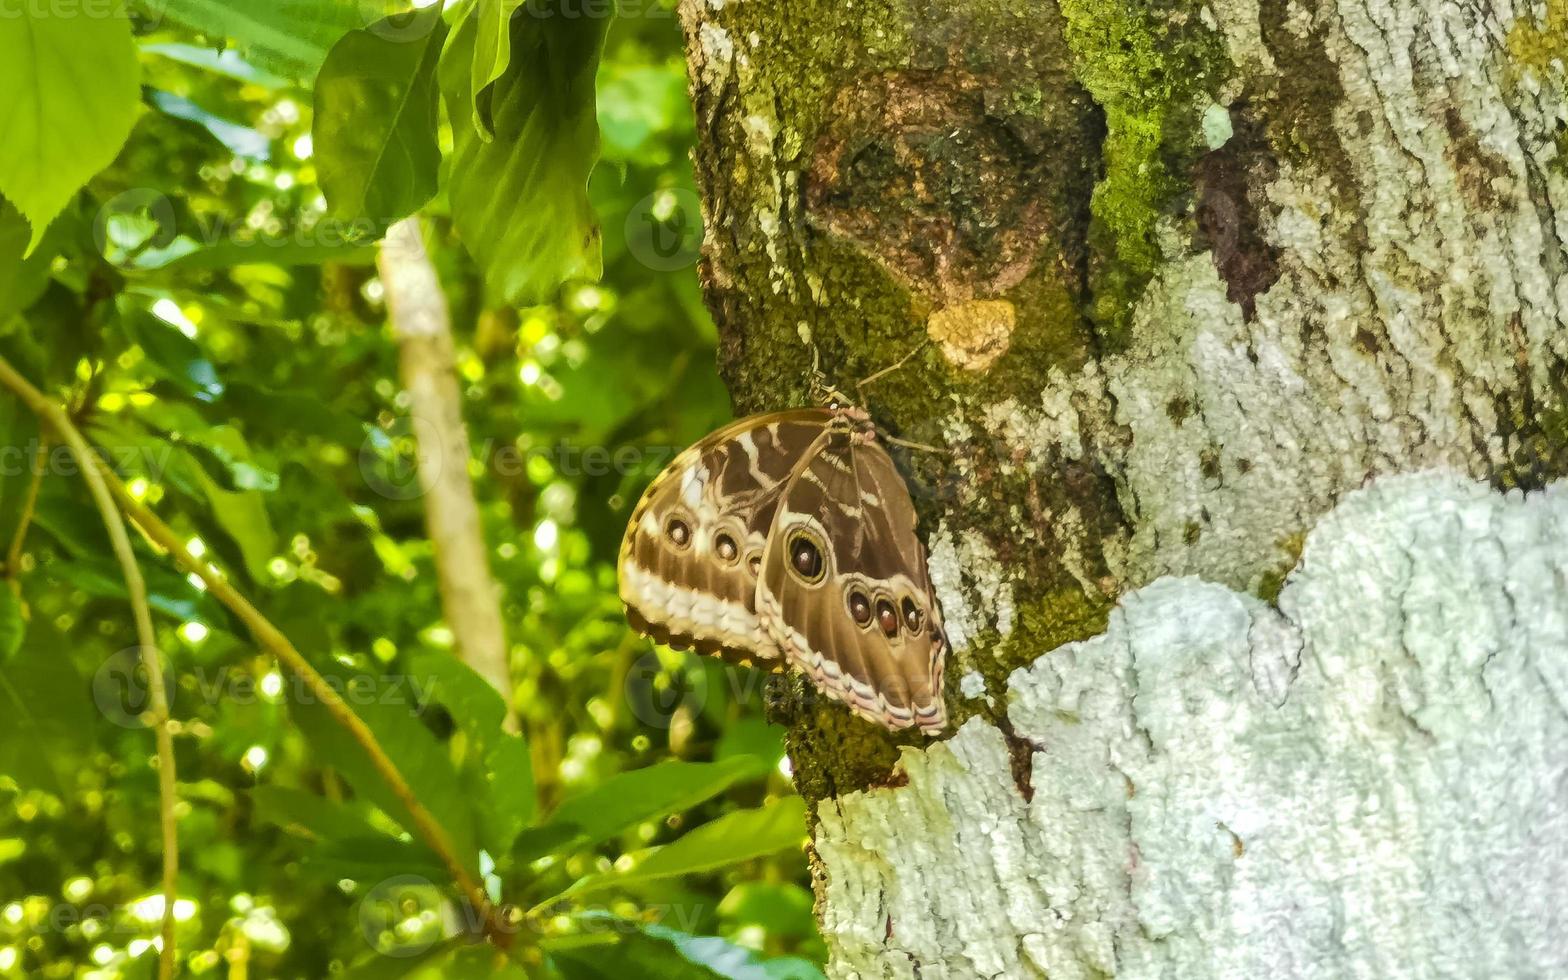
(694, 544)
(845, 592)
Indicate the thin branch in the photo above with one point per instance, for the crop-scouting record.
(422, 327)
(271, 639)
(13, 554)
(98, 487)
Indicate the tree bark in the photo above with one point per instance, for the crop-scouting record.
(422, 327)
(1249, 335)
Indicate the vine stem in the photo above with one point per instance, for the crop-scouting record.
(54, 416)
(13, 554)
(271, 639)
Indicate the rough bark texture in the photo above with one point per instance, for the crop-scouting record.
(1194, 274)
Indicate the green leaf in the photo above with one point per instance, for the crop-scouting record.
(754, 737)
(499, 767)
(307, 814)
(286, 37)
(616, 948)
(350, 245)
(243, 516)
(377, 965)
(512, 800)
(375, 122)
(45, 717)
(12, 626)
(604, 956)
(173, 355)
(22, 280)
(71, 87)
(375, 858)
(781, 908)
(731, 961)
(492, 55)
(482, 962)
(236, 138)
(474, 704)
(737, 836)
(229, 64)
(520, 199)
(390, 706)
(629, 798)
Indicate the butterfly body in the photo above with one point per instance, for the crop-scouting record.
(788, 539)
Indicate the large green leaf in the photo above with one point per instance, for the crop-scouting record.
(21, 279)
(605, 956)
(375, 122)
(286, 37)
(731, 961)
(243, 516)
(174, 356)
(629, 798)
(226, 63)
(492, 55)
(45, 717)
(71, 89)
(520, 199)
(737, 836)
(498, 767)
(616, 948)
(391, 707)
(307, 814)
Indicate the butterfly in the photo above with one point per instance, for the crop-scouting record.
(789, 539)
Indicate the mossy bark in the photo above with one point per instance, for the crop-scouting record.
(1188, 274)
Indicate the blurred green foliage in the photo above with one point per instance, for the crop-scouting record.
(207, 308)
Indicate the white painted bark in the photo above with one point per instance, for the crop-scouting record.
(1369, 782)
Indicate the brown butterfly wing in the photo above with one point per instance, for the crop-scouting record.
(860, 618)
(681, 583)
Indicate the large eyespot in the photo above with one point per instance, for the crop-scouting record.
(725, 547)
(887, 618)
(860, 608)
(914, 619)
(678, 531)
(805, 558)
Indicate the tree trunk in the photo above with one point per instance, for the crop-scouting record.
(1248, 330)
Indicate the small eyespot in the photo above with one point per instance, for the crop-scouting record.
(724, 546)
(805, 558)
(860, 608)
(914, 619)
(887, 618)
(754, 562)
(678, 531)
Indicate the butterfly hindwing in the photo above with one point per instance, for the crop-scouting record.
(694, 543)
(844, 591)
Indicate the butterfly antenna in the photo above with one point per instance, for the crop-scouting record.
(919, 446)
(860, 386)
